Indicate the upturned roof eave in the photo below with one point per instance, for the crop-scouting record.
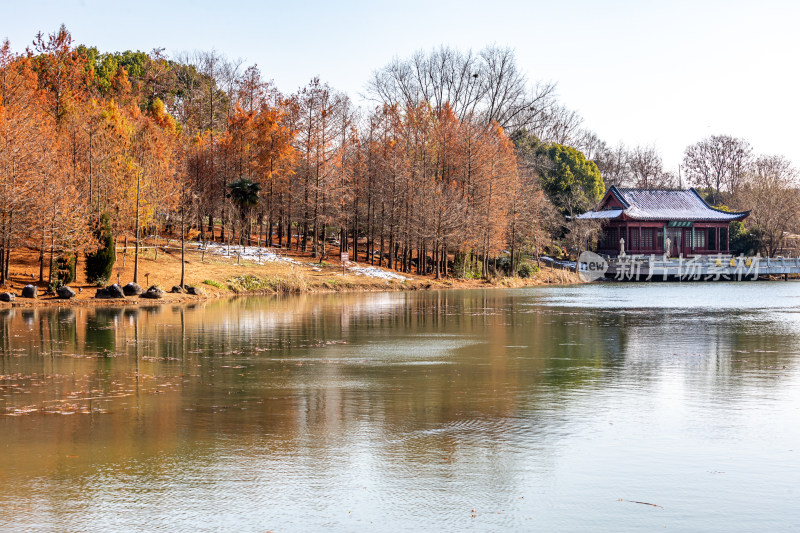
(618, 195)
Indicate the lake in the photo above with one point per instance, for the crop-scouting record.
(602, 407)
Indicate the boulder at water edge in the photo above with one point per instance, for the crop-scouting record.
(154, 293)
(196, 291)
(65, 293)
(7, 296)
(115, 291)
(132, 289)
(177, 289)
(112, 291)
(30, 291)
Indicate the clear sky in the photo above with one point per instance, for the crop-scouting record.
(642, 72)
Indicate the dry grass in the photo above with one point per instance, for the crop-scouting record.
(223, 277)
(558, 276)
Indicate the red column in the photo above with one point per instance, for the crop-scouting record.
(627, 239)
(639, 238)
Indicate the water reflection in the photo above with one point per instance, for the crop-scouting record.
(356, 411)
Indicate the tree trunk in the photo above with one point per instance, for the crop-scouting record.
(41, 260)
(2, 264)
(443, 260)
(392, 250)
(52, 254)
(183, 240)
(136, 249)
(269, 232)
(437, 263)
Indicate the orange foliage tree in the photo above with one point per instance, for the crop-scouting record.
(411, 185)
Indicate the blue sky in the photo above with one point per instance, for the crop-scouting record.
(663, 73)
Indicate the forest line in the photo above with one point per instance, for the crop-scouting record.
(462, 167)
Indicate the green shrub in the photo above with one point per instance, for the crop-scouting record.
(526, 270)
(99, 265)
(63, 268)
(53, 285)
(744, 240)
(466, 267)
(247, 283)
(213, 283)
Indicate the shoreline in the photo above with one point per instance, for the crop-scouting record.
(339, 284)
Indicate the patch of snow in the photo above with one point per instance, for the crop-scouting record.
(254, 254)
(375, 272)
(261, 255)
(567, 264)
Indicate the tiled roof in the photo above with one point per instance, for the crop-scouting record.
(659, 204)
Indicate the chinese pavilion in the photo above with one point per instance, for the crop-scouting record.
(651, 219)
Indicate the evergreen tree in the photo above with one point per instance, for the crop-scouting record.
(100, 263)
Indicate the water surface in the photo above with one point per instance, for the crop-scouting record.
(531, 409)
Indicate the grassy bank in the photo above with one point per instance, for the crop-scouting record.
(222, 272)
